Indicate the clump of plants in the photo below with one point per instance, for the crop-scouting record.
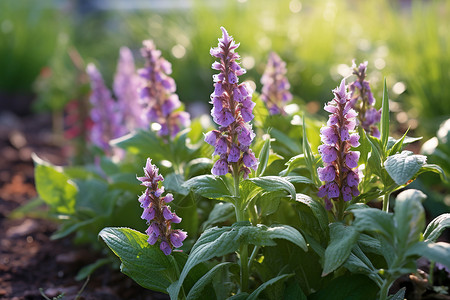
(245, 222)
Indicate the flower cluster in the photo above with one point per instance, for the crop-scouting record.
(158, 92)
(363, 101)
(157, 213)
(105, 113)
(232, 110)
(275, 90)
(340, 171)
(126, 85)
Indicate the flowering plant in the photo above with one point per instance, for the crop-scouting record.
(312, 216)
(242, 225)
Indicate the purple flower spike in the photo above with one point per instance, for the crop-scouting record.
(157, 93)
(126, 89)
(232, 110)
(157, 213)
(362, 101)
(107, 118)
(340, 171)
(275, 90)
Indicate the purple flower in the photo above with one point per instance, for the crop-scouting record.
(126, 89)
(340, 164)
(275, 90)
(232, 110)
(157, 213)
(107, 118)
(362, 101)
(157, 93)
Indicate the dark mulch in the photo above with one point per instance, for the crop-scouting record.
(29, 260)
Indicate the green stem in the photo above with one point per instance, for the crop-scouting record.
(384, 291)
(386, 202)
(240, 216)
(252, 256)
(340, 209)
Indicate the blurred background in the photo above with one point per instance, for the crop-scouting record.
(45, 44)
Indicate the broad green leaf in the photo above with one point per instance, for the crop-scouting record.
(174, 183)
(222, 211)
(342, 240)
(292, 163)
(384, 124)
(409, 217)
(402, 167)
(216, 242)
(263, 158)
(293, 291)
(438, 252)
(359, 263)
(268, 202)
(369, 244)
(108, 166)
(196, 291)
(436, 227)
(54, 187)
(285, 140)
(317, 209)
(274, 183)
(255, 294)
(145, 264)
(209, 186)
(374, 220)
(197, 166)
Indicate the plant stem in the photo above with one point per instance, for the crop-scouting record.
(240, 216)
(386, 202)
(384, 291)
(340, 209)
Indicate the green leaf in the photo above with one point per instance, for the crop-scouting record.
(436, 227)
(438, 252)
(108, 166)
(309, 155)
(145, 264)
(374, 160)
(198, 166)
(317, 209)
(255, 294)
(71, 226)
(268, 202)
(89, 269)
(222, 211)
(263, 158)
(209, 186)
(54, 187)
(144, 143)
(435, 169)
(216, 242)
(374, 220)
(402, 167)
(274, 183)
(174, 183)
(299, 179)
(365, 146)
(285, 140)
(342, 240)
(292, 163)
(409, 217)
(384, 124)
(196, 291)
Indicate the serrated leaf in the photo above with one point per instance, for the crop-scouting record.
(255, 294)
(145, 264)
(209, 186)
(196, 291)
(216, 242)
(402, 167)
(274, 183)
(384, 124)
(263, 158)
(342, 240)
(436, 227)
